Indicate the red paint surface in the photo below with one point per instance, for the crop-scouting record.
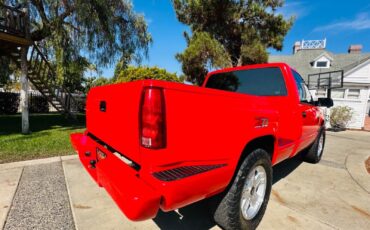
(203, 127)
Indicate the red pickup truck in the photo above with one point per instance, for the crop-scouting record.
(162, 145)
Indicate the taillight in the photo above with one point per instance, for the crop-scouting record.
(152, 119)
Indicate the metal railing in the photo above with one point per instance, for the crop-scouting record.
(43, 77)
(13, 20)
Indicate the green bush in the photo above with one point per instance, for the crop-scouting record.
(133, 73)
(340, 116)
(101, 81)
(9, 103)
(38, 104)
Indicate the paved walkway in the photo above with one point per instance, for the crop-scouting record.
(41, 199)
(57, 193)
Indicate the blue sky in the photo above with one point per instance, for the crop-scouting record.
(341, 22)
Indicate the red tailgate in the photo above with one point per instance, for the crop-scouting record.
(112, 113)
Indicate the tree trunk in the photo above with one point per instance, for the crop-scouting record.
(24, 91)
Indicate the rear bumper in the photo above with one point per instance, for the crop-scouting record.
(136, 199)
(140, 194)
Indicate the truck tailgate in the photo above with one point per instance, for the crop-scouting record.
(112, 117)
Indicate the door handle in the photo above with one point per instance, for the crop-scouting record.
(304, 114)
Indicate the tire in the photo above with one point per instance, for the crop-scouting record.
(314, 152)
(228, 213)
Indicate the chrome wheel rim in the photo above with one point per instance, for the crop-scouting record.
(253, 193)
(320, 145)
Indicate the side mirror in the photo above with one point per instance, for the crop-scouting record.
(325, 102)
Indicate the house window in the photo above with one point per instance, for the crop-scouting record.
(353, 94)
(321, 64)
(338, 93)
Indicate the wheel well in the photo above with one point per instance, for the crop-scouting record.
(264, 142)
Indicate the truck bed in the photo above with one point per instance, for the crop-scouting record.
(194, 116)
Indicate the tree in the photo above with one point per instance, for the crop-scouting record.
(24, 91)
(75, 71)
(103, 31)
(101, 81)
(202, 50)
(229, 33)
(90, 82)
(122, 64)
(133, 73)
(4, 70)
(10, 76)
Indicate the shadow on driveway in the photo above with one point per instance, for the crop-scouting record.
(197, 216)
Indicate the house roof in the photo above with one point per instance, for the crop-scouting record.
(301, 61)
(324, 54)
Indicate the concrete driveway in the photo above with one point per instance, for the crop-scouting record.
(57, 193)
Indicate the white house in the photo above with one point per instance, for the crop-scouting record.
(311, 57)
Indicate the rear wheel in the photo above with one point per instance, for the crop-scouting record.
(314, 153)
(244, 204)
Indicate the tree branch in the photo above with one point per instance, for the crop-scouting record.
(68, 11)
(41, 34)
(72, 26)
(40, 7)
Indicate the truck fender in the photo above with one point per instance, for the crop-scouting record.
(266, 142)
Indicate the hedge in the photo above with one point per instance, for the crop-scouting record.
(38, 104)
(9, 103)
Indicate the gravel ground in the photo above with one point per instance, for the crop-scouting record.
(41, 200)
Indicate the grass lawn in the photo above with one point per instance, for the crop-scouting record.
(49, 136)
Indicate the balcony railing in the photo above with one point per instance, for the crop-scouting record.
(13, 21)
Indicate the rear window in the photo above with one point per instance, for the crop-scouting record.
(260, 82)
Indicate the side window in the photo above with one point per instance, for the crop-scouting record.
(298, 82)
(309, 97)
(304, 93)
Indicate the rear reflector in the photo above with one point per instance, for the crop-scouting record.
(152, 119)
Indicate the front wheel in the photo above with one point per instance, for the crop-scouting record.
(314, 153)
(244, 204)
